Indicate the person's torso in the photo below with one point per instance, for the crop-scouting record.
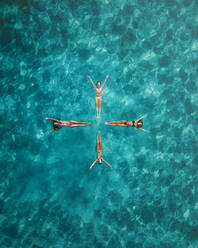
(98, 91)
(99, 154)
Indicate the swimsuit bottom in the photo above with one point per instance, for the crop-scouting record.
(70, 124)
(98, 97)
(61, 123)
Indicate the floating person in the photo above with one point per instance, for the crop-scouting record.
(98, 97)
(99, 152)
(138, 123)
(57, 124)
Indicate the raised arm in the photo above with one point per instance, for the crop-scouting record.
(141, 118)
(50, 131)
(91, 81)
(51, 119)
(106, 163)
(143, 130)
(93, 164)
(105, 81)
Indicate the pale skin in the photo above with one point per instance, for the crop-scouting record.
(99, 152)
(125, 123)
(68, 123)
(98, 96)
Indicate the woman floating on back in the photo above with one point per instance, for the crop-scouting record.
(99, 152)
(98, 97)
(57, 124)
(138, 123)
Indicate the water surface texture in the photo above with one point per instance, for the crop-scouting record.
(48, 196)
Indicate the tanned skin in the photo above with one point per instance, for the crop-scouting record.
(99, 152)
(59, 124)
(98, 96)
(125, 123)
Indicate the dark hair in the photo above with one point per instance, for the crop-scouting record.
(98, 82)
(56, 125)
(139, 124)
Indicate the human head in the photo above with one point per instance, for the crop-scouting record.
(100, 161)
(98, 84)
(139, 124)
(56, 125)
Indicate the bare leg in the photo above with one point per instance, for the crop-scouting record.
(74, 121)
(97, 141)
(80, 125)
(120, 125)
(97, 106)
(80, 122)
(100, 102)
(100, 142)
(84, 124)
(115, 122)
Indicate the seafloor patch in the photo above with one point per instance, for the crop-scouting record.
(48, 197)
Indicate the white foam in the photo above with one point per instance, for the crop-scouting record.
(28, 105)
(159, 136)
(145, 171)
(40, 134)
(149, 55)
(151, 89)
(156, 173)
(186, 214)
(143, 150)
(194, 45)
(21, 87)
(133, 170)
(127, 101)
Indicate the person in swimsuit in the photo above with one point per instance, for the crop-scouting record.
(57, 124)
(99, 152)
(138, 123)
(98, 97)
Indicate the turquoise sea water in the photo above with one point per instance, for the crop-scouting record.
(48, 196)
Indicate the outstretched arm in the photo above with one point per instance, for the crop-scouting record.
(50, 131)
(93, 164)
(141, 118)
(143, 130)
(105, 81)
(91, 81)
(106, 163)
(51, 119)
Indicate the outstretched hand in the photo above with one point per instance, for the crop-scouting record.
(91, 81)
(93, 164)
(105, 80)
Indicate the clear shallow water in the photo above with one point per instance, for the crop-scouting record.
(48, 197)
